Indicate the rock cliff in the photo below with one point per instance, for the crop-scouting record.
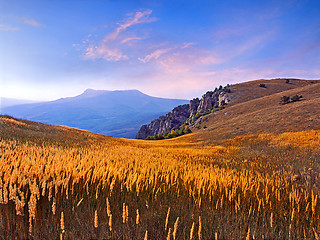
(171, 120)
(187, 114)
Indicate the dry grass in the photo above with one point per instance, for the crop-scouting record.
(55, 186)
(247, 91)
(263, 113)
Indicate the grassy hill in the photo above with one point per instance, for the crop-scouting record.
(256, 109)
(258, 183)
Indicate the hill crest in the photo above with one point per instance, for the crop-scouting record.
(240, 99)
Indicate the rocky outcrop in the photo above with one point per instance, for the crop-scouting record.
(171, 120)
(194, 104)
(187, 114)
(208, 101)
(223, 99)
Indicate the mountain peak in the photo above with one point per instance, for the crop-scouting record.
(89, 93)
(93, 92)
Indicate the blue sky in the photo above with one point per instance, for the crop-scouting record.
(176, 49)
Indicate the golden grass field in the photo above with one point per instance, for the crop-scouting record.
(253, 172)
(64, 183)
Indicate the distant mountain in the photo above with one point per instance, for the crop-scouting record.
(8, 102)
(115, 113)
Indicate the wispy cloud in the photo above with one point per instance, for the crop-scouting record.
(109, 54)
(128, 39)
(7, 28)
(31, 22)
(110, 48)
(139, 17)
(154, 55)
(177, 59)
(188, 44)
(18, 20)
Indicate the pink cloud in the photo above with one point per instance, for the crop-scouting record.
(8, 28)
(139, 17)
(181, 58)
(32, 22)
(109, 54)
(188, 44)
(128, 39)
(110, 48)
(154, 55)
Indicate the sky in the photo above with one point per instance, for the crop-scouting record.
(175, 49)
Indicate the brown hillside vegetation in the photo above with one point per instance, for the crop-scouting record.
(251, 90)
(257, 110)
(59, 182)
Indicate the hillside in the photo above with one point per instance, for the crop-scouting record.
(29, 131)
(256, 110)
(115, 113)
(245, 108)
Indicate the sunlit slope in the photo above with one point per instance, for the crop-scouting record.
(24, 130)
(58, 182)
(250, 90)
(262, 114)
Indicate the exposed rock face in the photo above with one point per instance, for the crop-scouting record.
(171, 120)
(194, 104)
(188, 113)
(223, 99)
(145, 131)
(208, 101)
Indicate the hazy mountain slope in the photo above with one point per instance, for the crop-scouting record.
(7, 102)
(263, 114)
(116, 113)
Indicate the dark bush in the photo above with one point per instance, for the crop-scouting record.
(296, 98)
(187, 130)
(284, 100)
(262, 85)
(159, 137)
(223, 102)
(227, 90)
(150, 138)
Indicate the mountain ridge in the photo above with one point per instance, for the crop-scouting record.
(119, 113)
(234, 96)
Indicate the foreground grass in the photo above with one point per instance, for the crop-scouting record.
(259, 186)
